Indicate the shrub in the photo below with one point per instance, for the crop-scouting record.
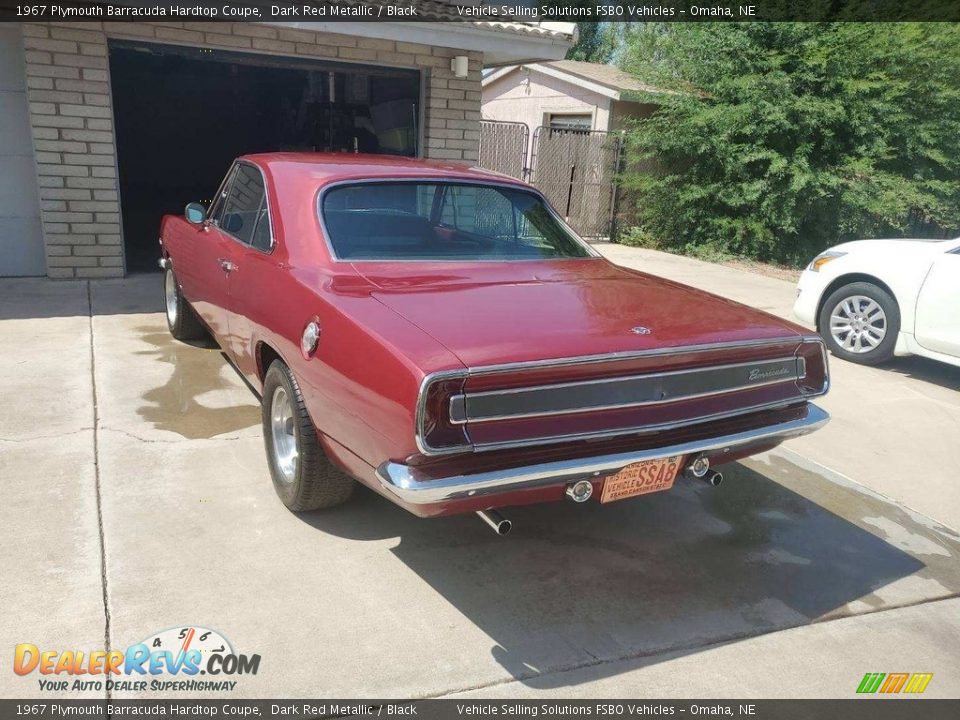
(776, 140)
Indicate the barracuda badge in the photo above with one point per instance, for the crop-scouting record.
(758, 374)
(640, 330)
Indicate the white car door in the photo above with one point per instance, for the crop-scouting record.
(938, 306)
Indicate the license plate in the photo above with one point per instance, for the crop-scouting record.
(640, 478)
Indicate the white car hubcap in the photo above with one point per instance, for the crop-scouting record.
(858, 324)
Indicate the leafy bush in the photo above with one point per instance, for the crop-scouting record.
(776, 140)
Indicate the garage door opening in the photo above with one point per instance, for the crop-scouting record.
(183, 114)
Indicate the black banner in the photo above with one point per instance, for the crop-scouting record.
(854, 709)
(477, 11)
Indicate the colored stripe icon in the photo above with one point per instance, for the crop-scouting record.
(918, 682)
(894, 683)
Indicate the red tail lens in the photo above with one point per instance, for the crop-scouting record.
(436, 430)
(816, 380)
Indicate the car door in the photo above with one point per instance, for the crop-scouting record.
(247, 260)
(938, 306)
(201, 274)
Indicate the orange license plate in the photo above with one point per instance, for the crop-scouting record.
(641, 478)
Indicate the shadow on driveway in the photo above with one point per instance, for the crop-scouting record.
(574, 586)
(927, 370)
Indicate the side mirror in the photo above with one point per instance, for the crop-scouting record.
(195, 213)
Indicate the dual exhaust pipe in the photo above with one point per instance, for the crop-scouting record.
(581, 491)
(700, 469)
(501, 526)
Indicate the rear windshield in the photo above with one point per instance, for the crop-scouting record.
(443, 221)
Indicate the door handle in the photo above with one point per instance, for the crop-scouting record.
(226, 265)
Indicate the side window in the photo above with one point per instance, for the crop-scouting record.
(241, 209)
(215, 213)
(262, 239)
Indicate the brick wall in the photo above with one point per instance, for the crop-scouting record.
(71, 117)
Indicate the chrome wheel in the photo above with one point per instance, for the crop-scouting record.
(858, 324)
(170, 293)
(284, 434)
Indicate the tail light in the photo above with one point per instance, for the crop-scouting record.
(436, 434)
(816, 376)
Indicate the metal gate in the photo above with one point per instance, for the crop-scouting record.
(503, 147)
(576, 170)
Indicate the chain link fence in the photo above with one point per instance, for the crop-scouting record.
(575, 169)
(503, 147)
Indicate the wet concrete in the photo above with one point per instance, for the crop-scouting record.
(156, 388)
(368, 600)
(179, 405)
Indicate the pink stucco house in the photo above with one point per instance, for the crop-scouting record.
(567, 94)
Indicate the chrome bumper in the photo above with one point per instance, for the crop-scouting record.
(412, 487)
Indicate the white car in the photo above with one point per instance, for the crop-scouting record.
(873, 299)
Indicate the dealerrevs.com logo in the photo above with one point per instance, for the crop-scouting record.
(189, 658)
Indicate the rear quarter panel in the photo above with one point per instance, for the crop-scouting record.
(361, 384)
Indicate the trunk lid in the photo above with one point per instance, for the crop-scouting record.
(493, 313)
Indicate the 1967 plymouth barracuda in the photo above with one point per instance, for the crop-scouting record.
(440, 334)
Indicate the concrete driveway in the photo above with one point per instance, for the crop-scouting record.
(137, 499)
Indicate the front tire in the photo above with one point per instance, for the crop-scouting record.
(860, 322)
(181, 319)
(302, 475)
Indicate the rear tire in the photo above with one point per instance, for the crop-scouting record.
(860, 322)
(303, 477)
(181, 319)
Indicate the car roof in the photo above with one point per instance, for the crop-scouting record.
(332, 167)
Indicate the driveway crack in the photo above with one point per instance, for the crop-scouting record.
(31, 438)
(97, 486)
(171, 441)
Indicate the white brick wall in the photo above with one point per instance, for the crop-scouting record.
(71, 117)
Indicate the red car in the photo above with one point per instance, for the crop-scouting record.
(439, 334)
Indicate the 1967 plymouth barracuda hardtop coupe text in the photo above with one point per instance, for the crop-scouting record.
(441, 335)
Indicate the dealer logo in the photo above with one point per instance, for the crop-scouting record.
(168, 660)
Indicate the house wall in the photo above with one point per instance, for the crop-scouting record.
(21, 241)
(71, 117)
(528, 96)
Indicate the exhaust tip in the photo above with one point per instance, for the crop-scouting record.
(714, 478)
(501, 526)
(699, 467)
(579, 491)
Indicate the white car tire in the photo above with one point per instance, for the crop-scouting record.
(859, 322)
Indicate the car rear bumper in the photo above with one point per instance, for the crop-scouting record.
(410, 487)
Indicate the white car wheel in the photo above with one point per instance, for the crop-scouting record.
(859, 322)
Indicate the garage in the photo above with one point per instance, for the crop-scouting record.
(182, 114)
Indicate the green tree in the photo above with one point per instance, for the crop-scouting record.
(776, 140)
(594, 43)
